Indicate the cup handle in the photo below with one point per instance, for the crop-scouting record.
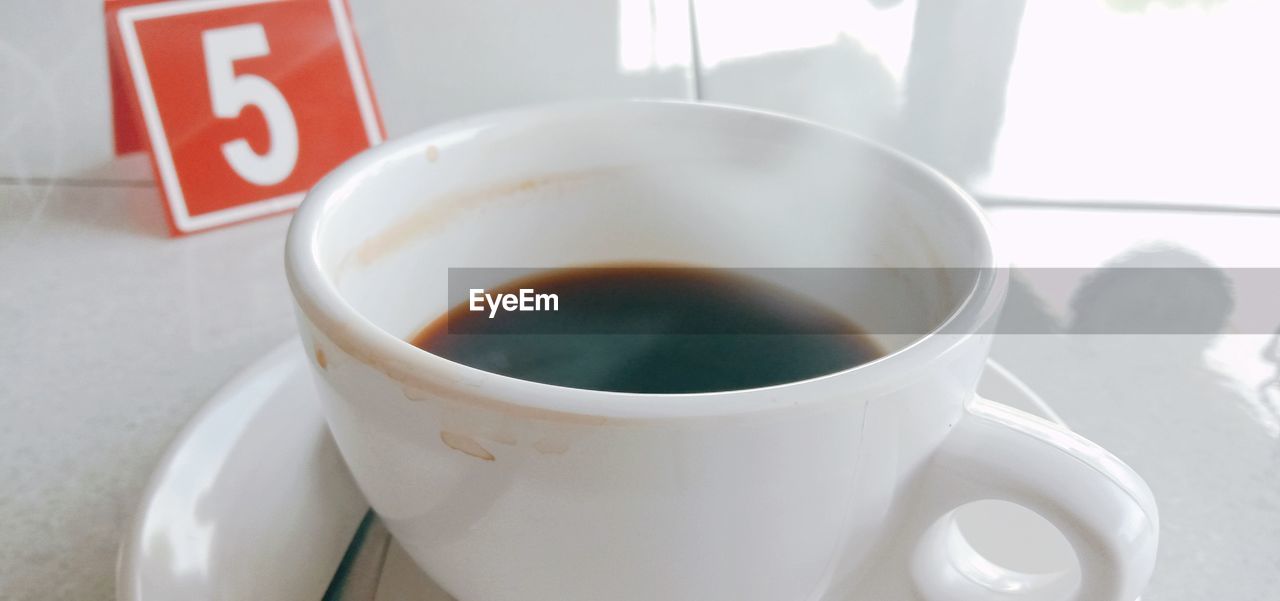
(1102, 508)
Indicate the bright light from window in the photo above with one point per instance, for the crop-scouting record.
(653, 34)
(1175, 102)
(729, 29)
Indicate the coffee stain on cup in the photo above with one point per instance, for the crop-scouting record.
(433, 153)
(552, 446)
(465, 444)
(445, 208)
(321, 360)
(422, 391)
(417, 395)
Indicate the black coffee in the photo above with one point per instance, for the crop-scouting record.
(649, 330)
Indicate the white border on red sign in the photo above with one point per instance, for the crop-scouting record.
(182, 219)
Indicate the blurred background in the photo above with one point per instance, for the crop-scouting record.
(1099, 134)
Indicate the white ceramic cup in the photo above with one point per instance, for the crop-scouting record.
(837, 487)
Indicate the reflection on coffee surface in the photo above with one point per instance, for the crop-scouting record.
(647, 329)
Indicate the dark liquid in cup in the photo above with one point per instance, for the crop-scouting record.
(651, 330)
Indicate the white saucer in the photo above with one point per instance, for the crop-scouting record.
(252, 501)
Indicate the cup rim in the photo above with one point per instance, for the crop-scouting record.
(320, 302)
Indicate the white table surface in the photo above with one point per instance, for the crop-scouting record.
(112, 334)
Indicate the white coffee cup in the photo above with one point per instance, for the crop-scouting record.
(837, 487)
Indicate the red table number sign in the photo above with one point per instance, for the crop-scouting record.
(243, 104)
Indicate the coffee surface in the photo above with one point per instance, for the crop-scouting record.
(649, 330)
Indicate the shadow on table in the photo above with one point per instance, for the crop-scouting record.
(1202, 440)
(88, 199)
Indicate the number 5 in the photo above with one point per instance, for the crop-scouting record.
(231, 93)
